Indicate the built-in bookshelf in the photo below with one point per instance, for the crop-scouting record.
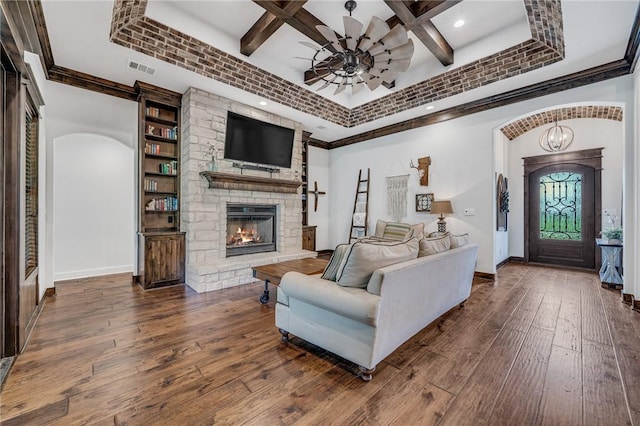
(160, 238)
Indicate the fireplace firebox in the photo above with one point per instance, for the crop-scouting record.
(251, 228)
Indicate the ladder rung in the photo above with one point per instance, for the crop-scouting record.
(354, 226)
(362, 192)
(364, 181)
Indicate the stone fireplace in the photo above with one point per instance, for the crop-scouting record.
(251, 228)
(206, 217)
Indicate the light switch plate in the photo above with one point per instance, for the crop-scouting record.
(469, 212)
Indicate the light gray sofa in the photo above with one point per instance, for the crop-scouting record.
(365, 325)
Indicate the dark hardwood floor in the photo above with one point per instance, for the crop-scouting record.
(538, 346)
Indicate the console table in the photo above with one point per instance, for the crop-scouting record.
(611, 263)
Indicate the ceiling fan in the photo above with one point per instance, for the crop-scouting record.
(359, 59)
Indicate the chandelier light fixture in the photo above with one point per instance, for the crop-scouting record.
(556, 138)
(369, 59)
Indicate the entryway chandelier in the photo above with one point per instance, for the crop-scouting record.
(556, 138)
(368, 59)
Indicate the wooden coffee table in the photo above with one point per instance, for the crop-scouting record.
(274, 272)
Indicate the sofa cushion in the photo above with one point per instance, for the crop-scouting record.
(459, 240)
(355, 303)
(331, 270)
(429, 246)
(398, 231)
(364, 257)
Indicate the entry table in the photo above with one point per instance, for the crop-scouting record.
(611, 265)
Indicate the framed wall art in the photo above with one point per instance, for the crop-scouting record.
(423, 202)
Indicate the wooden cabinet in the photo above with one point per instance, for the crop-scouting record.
(162, 259)
(309, 238)
(161, 244)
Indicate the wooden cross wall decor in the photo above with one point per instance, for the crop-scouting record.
(316, 193)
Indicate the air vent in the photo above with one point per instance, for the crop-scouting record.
(141, 67)
(321, 127)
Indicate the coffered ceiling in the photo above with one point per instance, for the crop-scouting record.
(503, 45)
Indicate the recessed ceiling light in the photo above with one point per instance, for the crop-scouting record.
(430, 107)
(263, 103)
(458, 23)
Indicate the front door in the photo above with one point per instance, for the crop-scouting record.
(562, 215)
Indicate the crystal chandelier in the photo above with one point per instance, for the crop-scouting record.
(368, 59)
(556, 138)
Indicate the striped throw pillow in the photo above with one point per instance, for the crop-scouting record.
(397, 231)
(331, 270)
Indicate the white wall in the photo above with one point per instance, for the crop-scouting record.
(461, 171)
(72, 111)
(501, 165)
(588, 133)
(462, 168)
(92, 206)
(318, 170)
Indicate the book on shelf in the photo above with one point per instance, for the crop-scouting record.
(150, 185)
(170, 168)
(152, 111)
(152, 148)
(162, 204)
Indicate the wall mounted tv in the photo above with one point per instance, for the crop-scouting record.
(255, 141)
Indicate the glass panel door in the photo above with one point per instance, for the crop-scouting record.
(561, 206)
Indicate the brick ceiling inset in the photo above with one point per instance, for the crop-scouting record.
(522, 126)
(132, 29)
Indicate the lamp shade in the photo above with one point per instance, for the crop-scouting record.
(441, 207)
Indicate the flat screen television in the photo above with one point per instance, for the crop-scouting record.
(255, 141)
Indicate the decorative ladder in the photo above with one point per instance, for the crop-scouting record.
(360, 208)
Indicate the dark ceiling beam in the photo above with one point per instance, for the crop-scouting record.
(267, 25)
(426, 10)
(91, 82)
(301, 20)
(426, 32)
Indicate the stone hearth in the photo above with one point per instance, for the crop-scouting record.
(204, 208)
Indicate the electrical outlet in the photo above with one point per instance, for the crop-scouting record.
(469, 212)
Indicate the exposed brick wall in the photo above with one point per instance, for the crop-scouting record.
(152, 38)
(519, 127)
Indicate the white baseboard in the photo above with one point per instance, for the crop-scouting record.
(70, 275)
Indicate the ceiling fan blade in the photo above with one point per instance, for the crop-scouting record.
(396, 37)
(330, 35)
(401, 52)
(326, 84)
(357, 84)
(389, 76)
(401, 65)
(375, 31)
(311, 45)
(352, 31)
(341, 86)
(372, 81)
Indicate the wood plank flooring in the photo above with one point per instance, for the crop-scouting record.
(538, 346)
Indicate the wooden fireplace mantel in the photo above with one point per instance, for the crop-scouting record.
(221, 180)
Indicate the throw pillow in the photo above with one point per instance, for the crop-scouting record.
(364, 257)
(381, 228)
(429, 246)
(331, 269)
(397, 231)
(459, 240)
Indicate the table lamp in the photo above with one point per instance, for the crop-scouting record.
(441, 207)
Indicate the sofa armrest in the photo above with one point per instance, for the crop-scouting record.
(354, 303)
